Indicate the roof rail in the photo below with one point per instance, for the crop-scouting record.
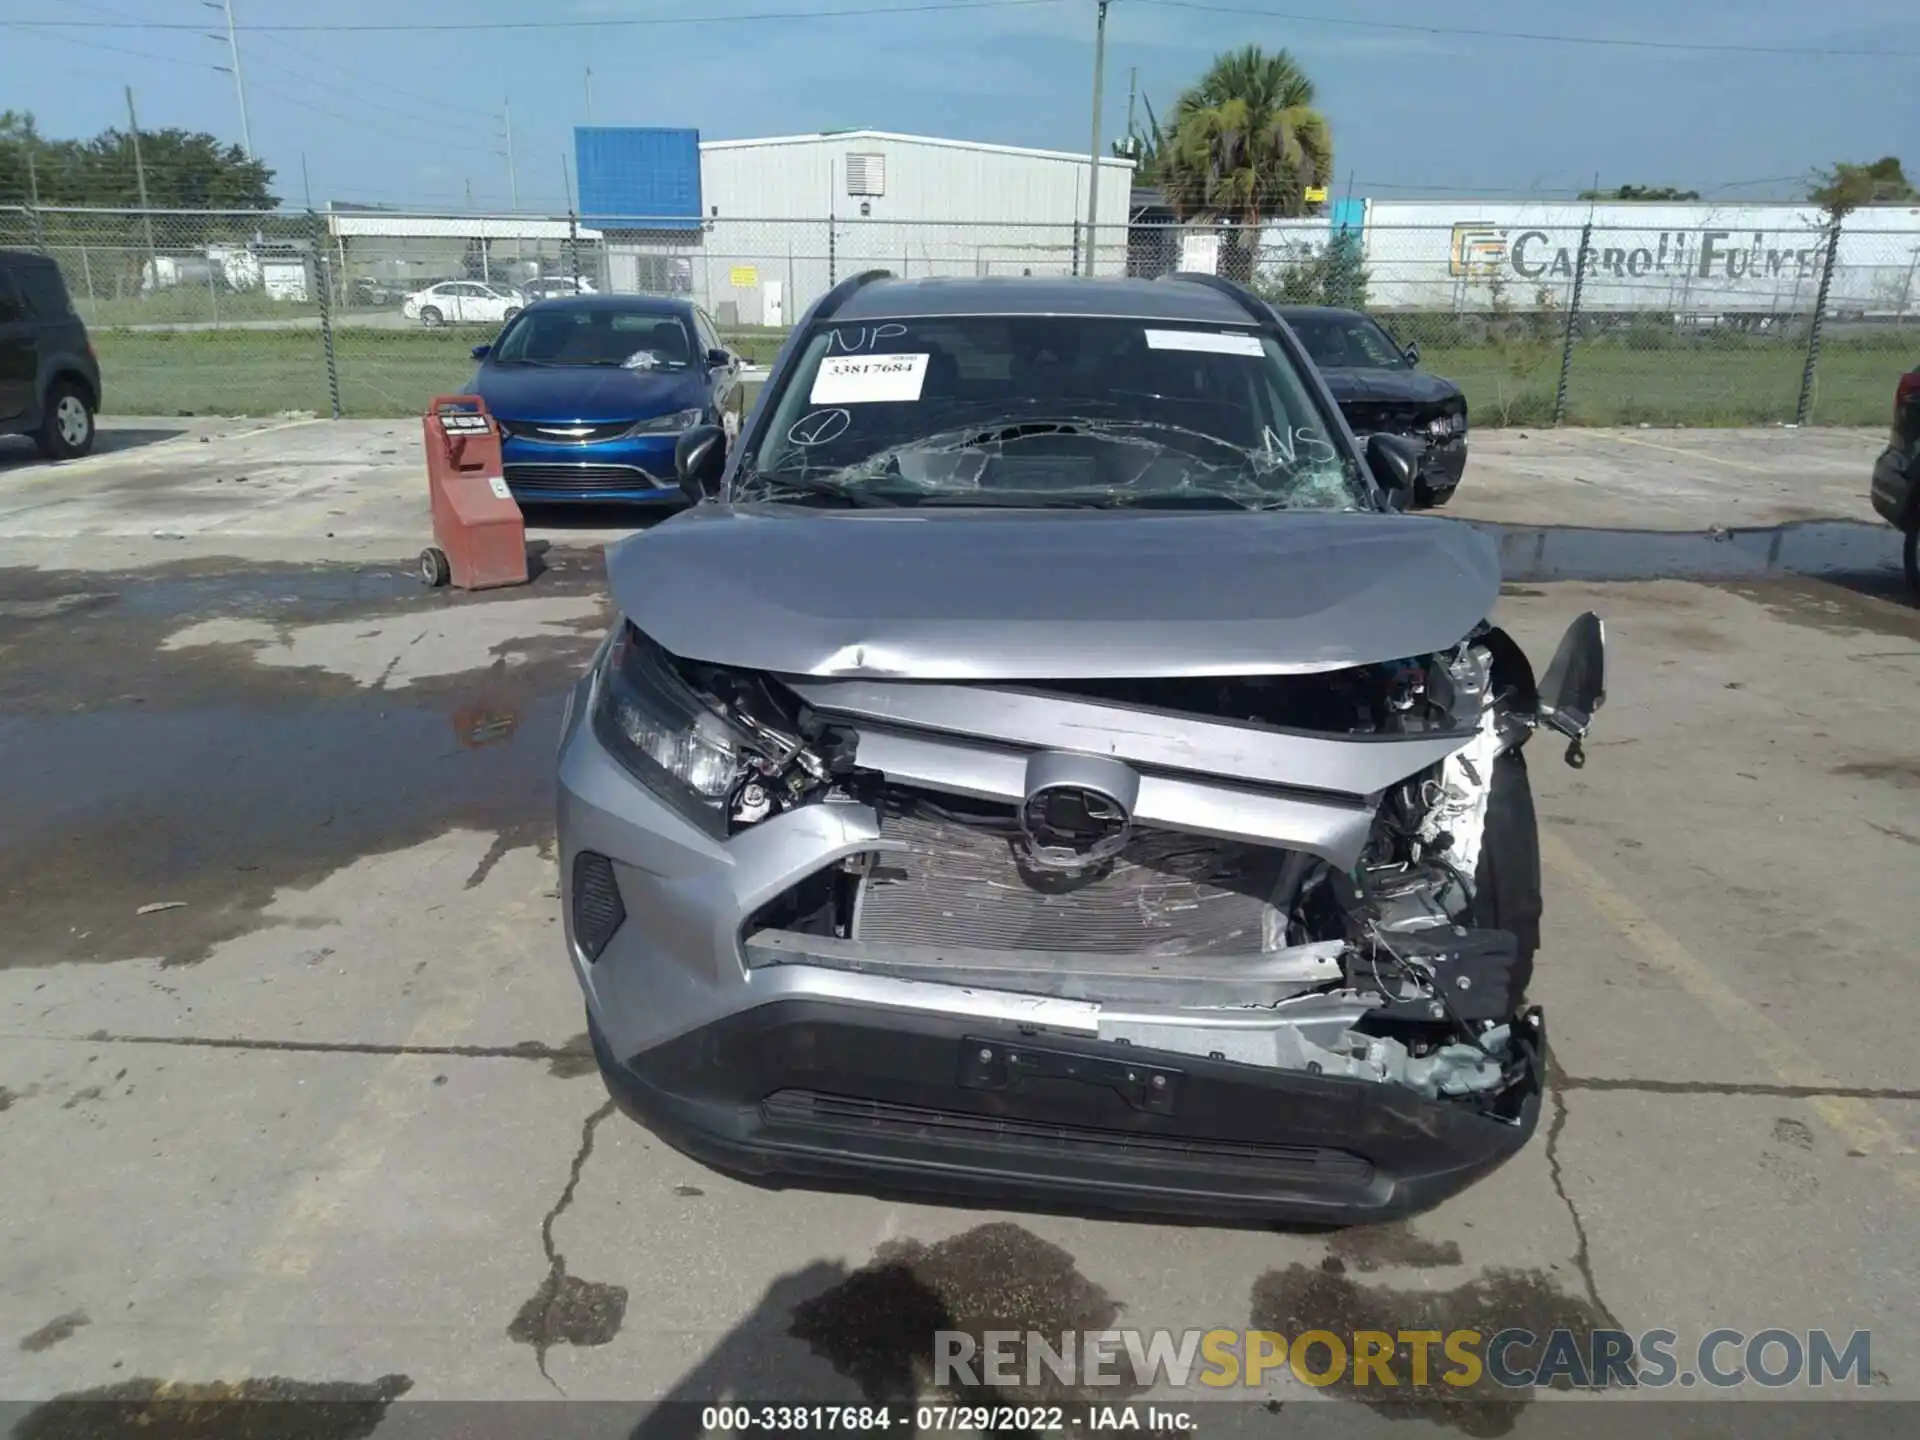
(1241, 295)
(837, 296)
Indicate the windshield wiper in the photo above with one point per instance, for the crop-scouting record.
(779, 488)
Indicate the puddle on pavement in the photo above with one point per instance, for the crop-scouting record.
(877, 1326)
(1373, 1247)
(216, 1410)
(139, 777)
(1843, 551)
(1303, 1298)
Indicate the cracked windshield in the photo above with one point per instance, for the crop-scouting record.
(1049, 410)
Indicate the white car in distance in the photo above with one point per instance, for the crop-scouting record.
(463, 302)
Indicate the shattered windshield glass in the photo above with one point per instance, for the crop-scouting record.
(1047, 410)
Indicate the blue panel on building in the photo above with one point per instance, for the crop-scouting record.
(638, 177)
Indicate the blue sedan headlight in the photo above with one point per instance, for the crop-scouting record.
(668, 424)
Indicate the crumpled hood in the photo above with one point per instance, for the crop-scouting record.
(1051, 594)
(570, 394)
(1414, 387)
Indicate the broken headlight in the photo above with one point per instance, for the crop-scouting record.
(710, 742)
(665, 734)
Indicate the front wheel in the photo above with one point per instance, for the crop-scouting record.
(512, 310)
(1912, 555)
(432, 318)
(66, 432)
(1430, 499)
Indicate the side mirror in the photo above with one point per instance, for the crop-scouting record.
(480, 352)
(1412, 352)
(1395, 462)
(699, 460)
(719, 359)
(1575, 686)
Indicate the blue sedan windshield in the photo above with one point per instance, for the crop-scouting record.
(637, 339)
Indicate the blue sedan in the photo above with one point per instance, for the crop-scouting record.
(592, 391)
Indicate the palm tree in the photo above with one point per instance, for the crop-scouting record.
(1245, 142)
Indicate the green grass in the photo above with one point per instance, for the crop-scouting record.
(395, 372)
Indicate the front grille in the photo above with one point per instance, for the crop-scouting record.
(554, 479)
(558, 433)
(1167, 894)
(1373, 418)
(808, 1110)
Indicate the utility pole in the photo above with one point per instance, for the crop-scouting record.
(589, 94)
(1093, 178)
(239, 85)
(140, 177)
(306, 184)
(469, 192)
(1133, 86)
(513, 179)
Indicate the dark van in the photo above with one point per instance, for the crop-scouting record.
(49, 375)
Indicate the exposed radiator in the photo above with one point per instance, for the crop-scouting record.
(1164, 894)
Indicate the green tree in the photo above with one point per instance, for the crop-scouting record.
(1245, 142)
(1844, 188)
(185, 170)
(1640, 192)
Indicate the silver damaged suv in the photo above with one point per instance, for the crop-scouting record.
(1046, 768)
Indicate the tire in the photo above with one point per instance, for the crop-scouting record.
(431, 317)
(1912, 555)
(434, 569)
(1434, 499)
(512, 310)
(67, 431)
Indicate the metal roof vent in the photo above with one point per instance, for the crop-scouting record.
(866, 174)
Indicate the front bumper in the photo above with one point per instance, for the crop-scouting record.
(633, 469)
(1896, 486)
(922, 1103)
(796, 1072)
(1444, 463)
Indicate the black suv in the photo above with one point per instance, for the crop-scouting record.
(49, 375)
(1896, 476)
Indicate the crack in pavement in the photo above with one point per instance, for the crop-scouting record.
(582, 1312)
(1582, 1253)
(1719, 1087)
(519, 1050)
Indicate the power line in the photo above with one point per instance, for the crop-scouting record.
(608, 23)
(39, 34)
(1540, 37)
(351, 83)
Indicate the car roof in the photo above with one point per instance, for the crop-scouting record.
(1132, 299)
(24, 257)
(630, 304)
(1318, 312)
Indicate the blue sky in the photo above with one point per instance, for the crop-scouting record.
(414, 117)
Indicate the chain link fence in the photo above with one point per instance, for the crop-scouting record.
(373, 312)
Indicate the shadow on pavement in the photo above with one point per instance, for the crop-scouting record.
(17, 452)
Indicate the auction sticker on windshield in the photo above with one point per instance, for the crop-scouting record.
(1210, 342)
(868, 379)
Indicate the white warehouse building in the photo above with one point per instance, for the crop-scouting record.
(762, 228)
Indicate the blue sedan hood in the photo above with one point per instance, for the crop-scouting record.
(568, 393)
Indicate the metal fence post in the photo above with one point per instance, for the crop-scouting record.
(323, 274)
(1573, 321)
(1805, 407)
(33, 214)
(573, 248)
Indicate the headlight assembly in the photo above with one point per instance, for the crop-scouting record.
(712, 767)
(668, 424)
